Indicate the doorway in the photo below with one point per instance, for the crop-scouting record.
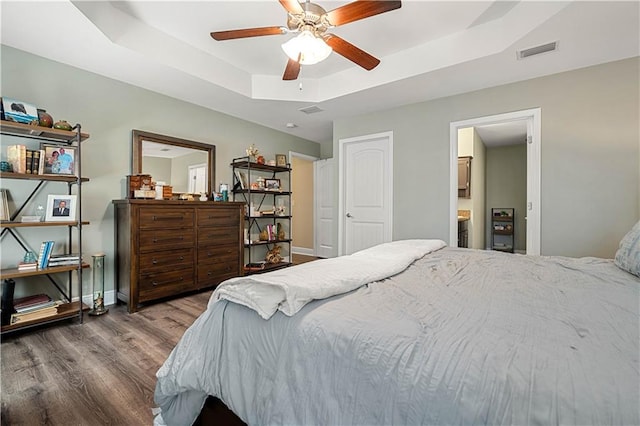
(365, 185)
(302, 203)
(532, 119)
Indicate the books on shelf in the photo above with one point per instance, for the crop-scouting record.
(45, 253)
(27, 266)
(255, 266)
(36, 301)
(63, 259)
(17, 157)
(40, 313)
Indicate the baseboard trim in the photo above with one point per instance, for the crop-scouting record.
(303, 250)
(109, 298)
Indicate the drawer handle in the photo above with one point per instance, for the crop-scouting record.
(154, 261)
(158, 218)
(157, 283)
(181, 238)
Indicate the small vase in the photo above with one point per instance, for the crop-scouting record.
(44, 119)
(62, 125)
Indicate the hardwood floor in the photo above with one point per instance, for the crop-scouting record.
(99, 373)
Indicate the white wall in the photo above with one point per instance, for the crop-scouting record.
(108, 110)
(590, 155)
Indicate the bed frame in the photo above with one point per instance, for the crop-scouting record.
(215, 412)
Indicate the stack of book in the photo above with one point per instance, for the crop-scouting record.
(27, 266)
(63, 259)
(23, 160)
(33, 307)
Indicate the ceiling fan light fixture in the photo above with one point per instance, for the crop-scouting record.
(308, 47)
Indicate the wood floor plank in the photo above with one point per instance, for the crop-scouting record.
(99, 373)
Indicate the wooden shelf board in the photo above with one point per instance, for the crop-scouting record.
(256, 166)
(39, 132)
(260, 191)
(267, 268)
(15, 273)
(9, 224)
(499, 232)
(53, 178)
(65, 311)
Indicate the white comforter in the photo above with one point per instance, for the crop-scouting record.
(288, 290)
(460, 337)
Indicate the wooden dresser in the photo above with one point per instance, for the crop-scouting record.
(164, 248)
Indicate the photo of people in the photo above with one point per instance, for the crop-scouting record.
(59, 160)
(60, 208)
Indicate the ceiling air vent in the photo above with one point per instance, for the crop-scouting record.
(543, 48)
(311, 109)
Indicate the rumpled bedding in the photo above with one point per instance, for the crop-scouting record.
(460, 337)
(288, 290)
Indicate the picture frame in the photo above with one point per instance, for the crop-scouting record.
(61, 208)
(59, 159)
(281, 160)
(272, 184)
(242, 179)
(19, 111)
(4, 206)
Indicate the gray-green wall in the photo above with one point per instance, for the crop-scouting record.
(108, 110)
(590, 155)
(506, 187)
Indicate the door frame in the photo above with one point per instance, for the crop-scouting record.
(342, 148)
(534, 141)
(316, 207)
(294, 249)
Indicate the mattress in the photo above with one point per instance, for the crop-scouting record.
(459, 337)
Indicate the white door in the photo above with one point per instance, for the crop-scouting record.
(366, 199)
(324, 235)
(198, 178)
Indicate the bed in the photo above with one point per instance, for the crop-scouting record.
(445, 336)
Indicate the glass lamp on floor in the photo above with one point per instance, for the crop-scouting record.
(98, 285)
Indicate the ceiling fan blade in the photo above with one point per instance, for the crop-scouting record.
(247, 32)
(352, 53)
(292, 6)
(292, 70)
(360, 9)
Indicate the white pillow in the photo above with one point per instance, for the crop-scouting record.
(628, 255)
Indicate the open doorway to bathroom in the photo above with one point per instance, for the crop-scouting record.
(503, 153)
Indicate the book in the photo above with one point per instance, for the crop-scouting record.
(26, 266)
(53, 263)
(17, 157)
(34, 315)
(27, 301)
(35, 307)
(254, 266)
(55, 257)
(41, 163)
(45, 254)
(28, 161)
(35, 162)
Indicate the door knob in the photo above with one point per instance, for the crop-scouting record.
(349, 215)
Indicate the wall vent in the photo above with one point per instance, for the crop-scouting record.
(543, 48)
(311, 109)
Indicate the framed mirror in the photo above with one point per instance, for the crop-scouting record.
(188, 166)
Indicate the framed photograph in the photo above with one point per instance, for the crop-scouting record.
(19, 111)
(242, 179)
(272, 184)
(281, 160)
(61, 208)
(59, 159)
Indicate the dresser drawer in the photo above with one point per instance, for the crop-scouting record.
(163, 284)
(164, 218)
(218, 217)
(163, 239)
(158, 261)
(210, 275)
(219, 254)
(218, 236)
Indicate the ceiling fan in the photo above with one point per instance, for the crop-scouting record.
(314, 43)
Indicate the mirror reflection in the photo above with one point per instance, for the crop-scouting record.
(185, 165)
